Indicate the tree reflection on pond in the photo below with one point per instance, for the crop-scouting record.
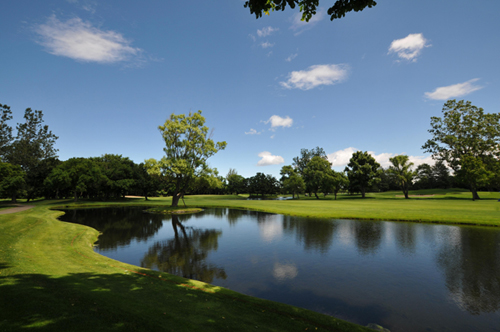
(185, 255)
(470, 261)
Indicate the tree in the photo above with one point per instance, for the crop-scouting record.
(300, 162)
(5, 130)
(34, 144)
(291, 181)
(12, 180)
(319, 176)
(307, 7)
(339, 182)
(263, 184)
(402, 172)
(188, 146)
(235, 182)
(468, 140)
(363, 171)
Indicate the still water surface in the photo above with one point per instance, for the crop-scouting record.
(403, 276)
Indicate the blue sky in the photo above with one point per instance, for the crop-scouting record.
(107, 73)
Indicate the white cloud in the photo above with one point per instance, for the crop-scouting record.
(266, 31)
(409, 48)
(315, 76)
(291, 57)
(300, 26)
(455, 90)
(269, 159)
(79, 40)
(253, 37)
(266, 45)
(278, 121)
(252, 132)
(341, 158)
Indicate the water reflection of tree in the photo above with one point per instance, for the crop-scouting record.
(314, 235)
(405, 236)
(185, 255)
(470, 260)
(118, 226)
(368, 236)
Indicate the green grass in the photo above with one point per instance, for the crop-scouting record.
(52, 280)
(446, 206)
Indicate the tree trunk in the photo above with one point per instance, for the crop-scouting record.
(363, 192)
(316, 194)
(474, 194)
(175, 199)
(14, 198)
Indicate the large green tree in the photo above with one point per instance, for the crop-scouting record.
(319, 176)
(401, 170)
(307, 7)
(235, 183)
(468, 139)
(33, 149)
(363, 172)
(291, 181)
(12, 180)
(188, 146)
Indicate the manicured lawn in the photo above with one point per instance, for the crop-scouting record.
(52, 280)
(446, 206)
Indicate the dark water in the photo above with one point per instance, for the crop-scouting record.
(404, 276)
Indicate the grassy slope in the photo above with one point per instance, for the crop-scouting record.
(51, 280)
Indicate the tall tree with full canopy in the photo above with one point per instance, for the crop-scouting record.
(401, 170)
(300, 162)
(291, 181)
(468, 140)
(307, 7)
(33, 150)
(363, 171)
(188, 146)
(319, 176)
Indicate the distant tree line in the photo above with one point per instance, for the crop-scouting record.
(465, 144)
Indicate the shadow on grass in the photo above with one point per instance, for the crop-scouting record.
(91, 302)
(134, 302)
(4, 266)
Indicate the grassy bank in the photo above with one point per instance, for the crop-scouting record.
(52, 280)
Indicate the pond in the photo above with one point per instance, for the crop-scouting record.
(403, 276)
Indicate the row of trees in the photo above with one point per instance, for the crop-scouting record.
(465, 139)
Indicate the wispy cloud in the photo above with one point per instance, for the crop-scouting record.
(453, 91)
(300, 26)
(315, 76)
(410, 47)
(269, 159)
(266, 44)
(264, 32)
(278, 121)
(341, 158)
(81, 41)
(291, 57)
(252, 132)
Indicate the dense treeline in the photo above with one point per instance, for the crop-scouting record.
(465, 145)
